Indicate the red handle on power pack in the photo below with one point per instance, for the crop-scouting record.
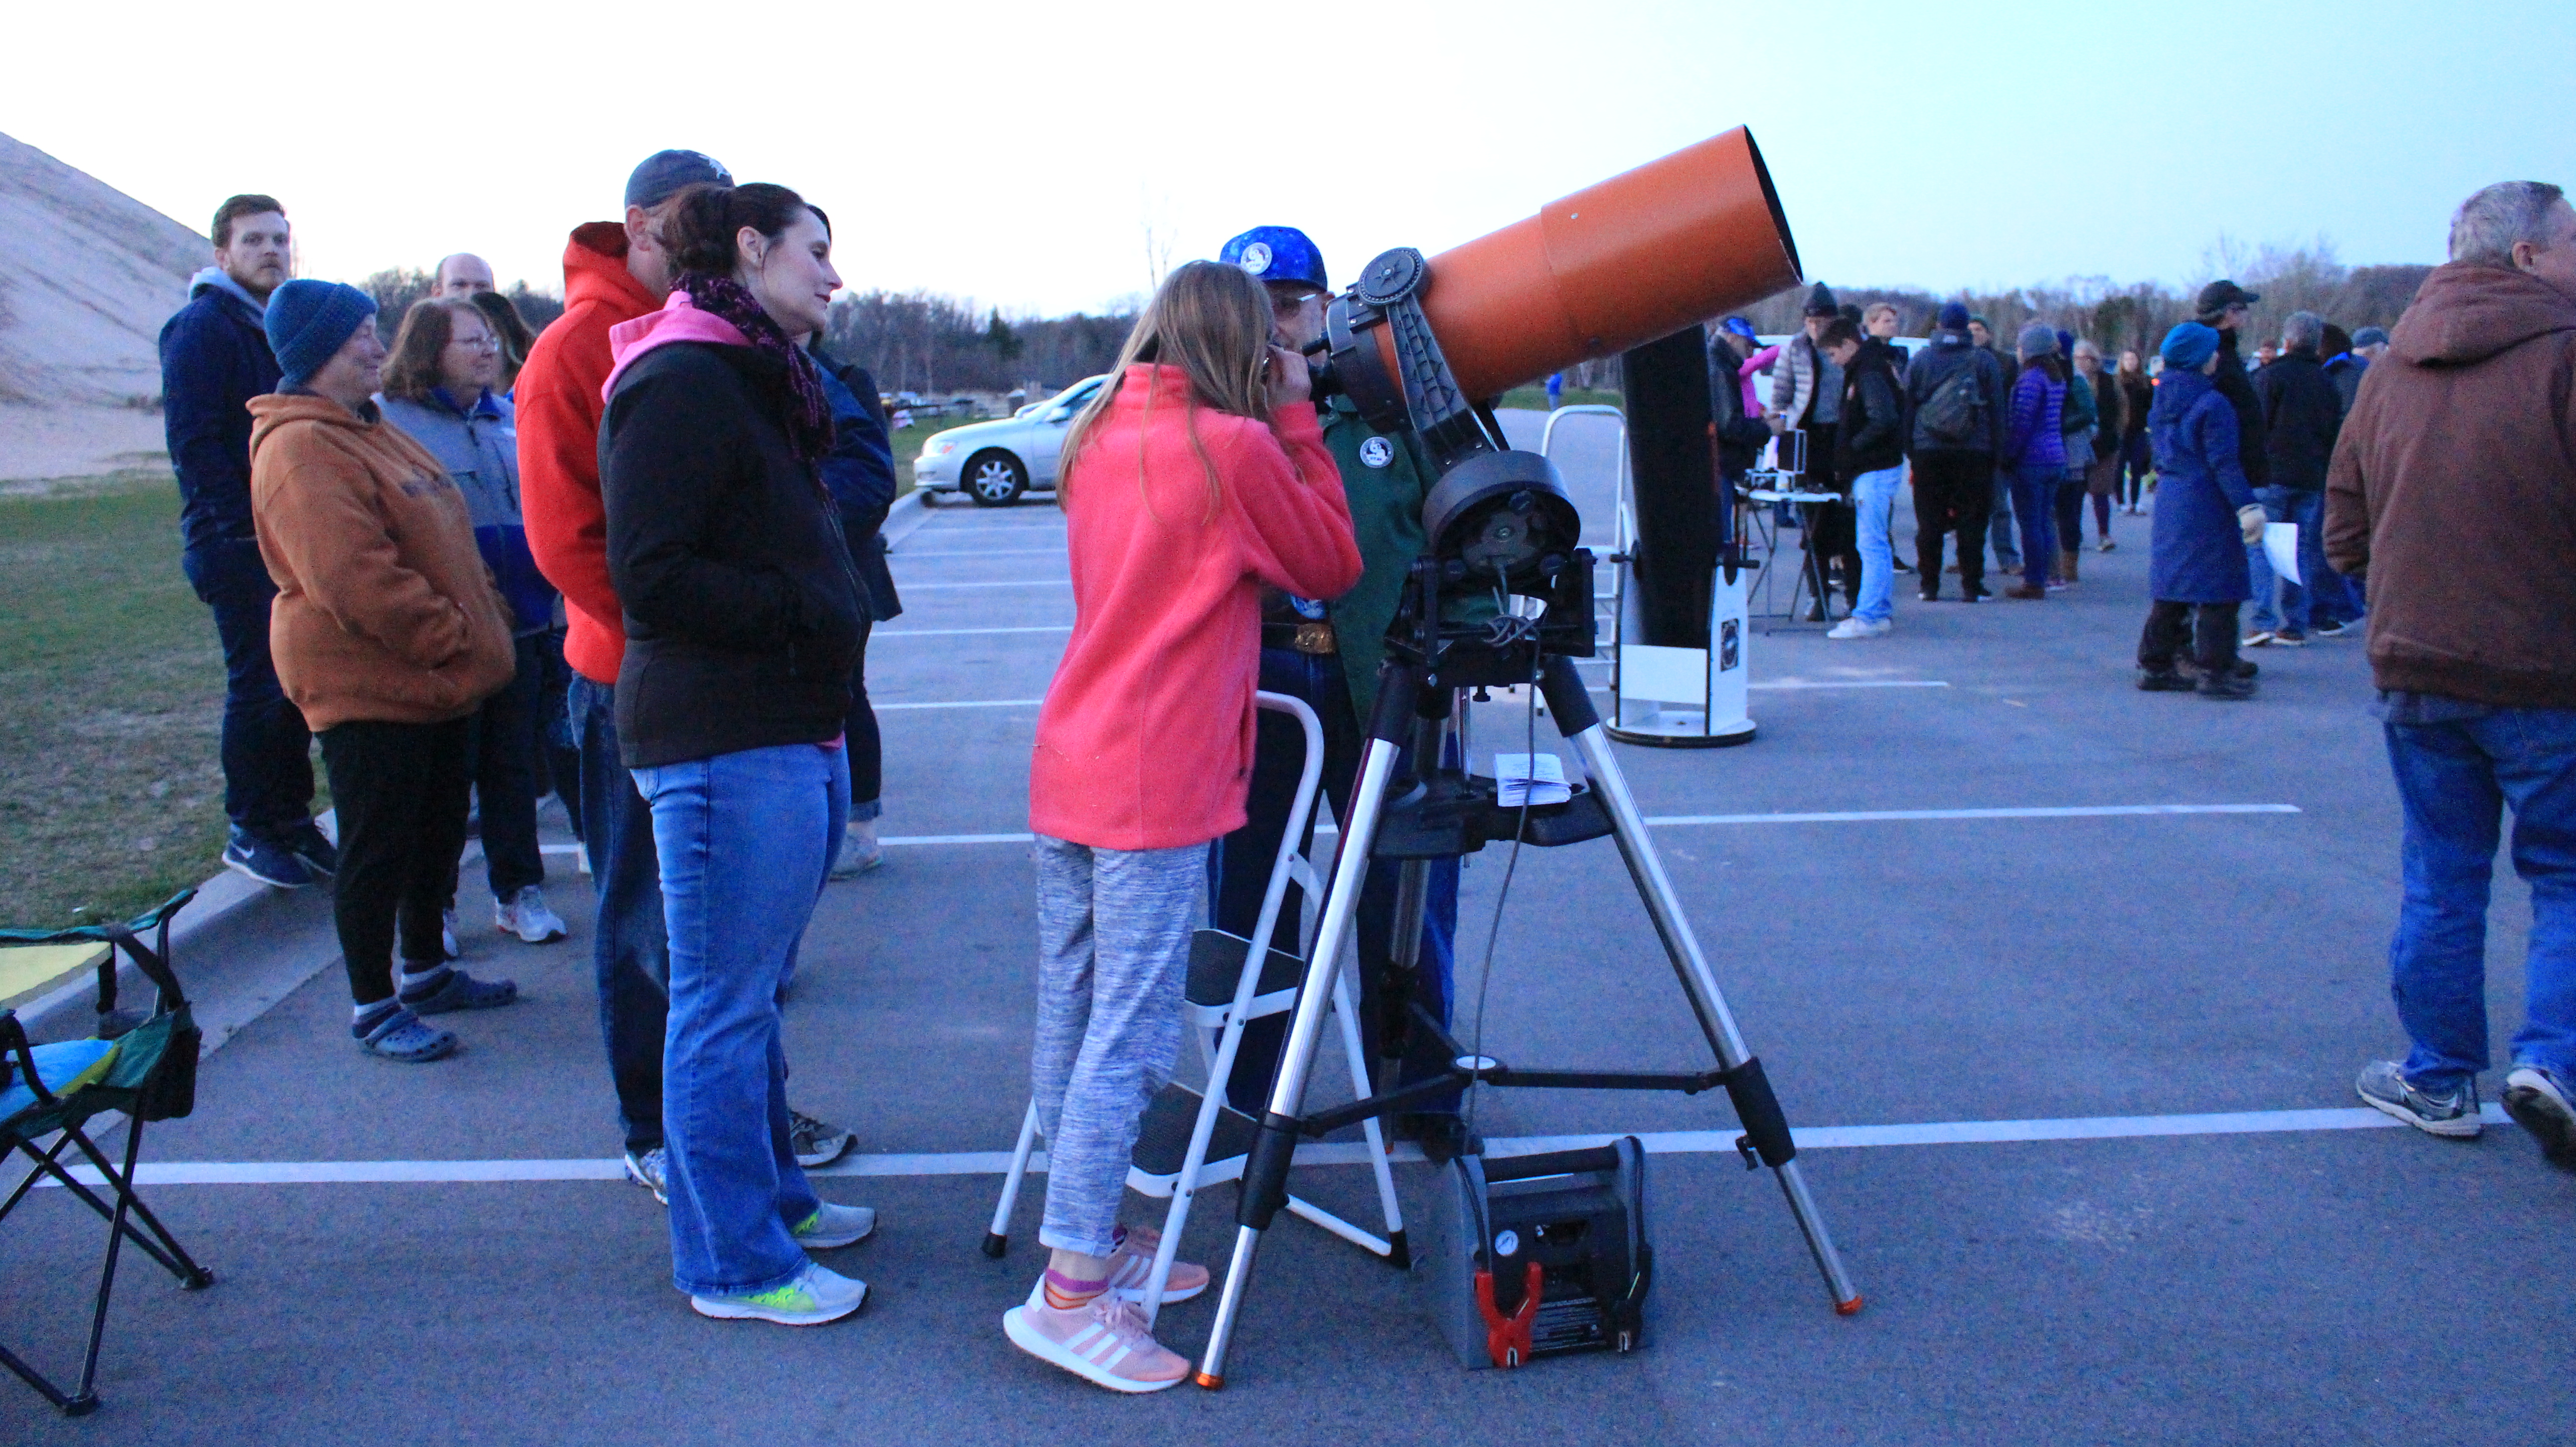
(1508, 1338)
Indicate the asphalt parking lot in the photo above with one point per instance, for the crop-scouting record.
(2070, 1039)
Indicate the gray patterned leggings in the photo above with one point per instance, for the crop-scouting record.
(1113, 957)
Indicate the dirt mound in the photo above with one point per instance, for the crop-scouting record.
(87, 276)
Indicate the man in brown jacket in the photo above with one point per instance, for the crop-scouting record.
(387, 632)
(2452, 495)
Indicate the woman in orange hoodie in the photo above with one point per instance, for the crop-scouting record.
(1195, 477)
(387, 633)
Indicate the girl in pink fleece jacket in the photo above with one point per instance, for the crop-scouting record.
(1197, 475)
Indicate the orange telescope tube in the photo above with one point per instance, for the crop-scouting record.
(1637, 257)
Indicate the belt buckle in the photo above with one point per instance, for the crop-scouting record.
(1315, 638)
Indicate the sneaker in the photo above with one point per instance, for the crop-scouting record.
(817, 1142)
(2234, 687)
(581, 858)
(2259, 638)
(2165, 681)
(2330, 629)
(307, 842)
(453, 989)
(815, 1296)
(525, 914)
(2539, 1105)
(2383, 1087)
(1859, 628)
(832, 1227)
(1105, 1342)
(2290, 638)
(652, 1171)
(1132, 1265)
(2109, 546)
(860, 851)
(399, 1034)
(264, 859)
(447, 939)
(1928, 596)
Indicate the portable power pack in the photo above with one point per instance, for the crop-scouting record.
(1537, 1255)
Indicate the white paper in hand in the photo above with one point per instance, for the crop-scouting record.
(1530, 778)
(2281, 547)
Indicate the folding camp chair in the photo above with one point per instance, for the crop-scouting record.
(144, 1066)
(1190, 1139)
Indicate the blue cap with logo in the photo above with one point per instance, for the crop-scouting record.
(1277, 253)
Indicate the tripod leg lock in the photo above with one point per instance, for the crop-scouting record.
(1265, 1172)
(1766, 1135)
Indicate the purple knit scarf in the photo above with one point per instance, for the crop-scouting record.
(809, 412)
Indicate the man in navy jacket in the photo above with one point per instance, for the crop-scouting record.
(214, 359)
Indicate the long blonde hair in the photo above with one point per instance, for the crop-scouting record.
(1213, 322)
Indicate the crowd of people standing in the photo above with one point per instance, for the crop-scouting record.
(677, 494)
(2006, 451)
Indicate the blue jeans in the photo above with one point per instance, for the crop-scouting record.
(266, 750)
(2297, 601)
(630, 944)
(1999, 524)
(2034, 489)
(1874, 498)
(2455, 776)
(746, 840)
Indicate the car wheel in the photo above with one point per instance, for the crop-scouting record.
(994, 479)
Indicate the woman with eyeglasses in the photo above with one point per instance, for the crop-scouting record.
(439, 387)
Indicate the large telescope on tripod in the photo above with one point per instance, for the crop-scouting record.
(1424, 346)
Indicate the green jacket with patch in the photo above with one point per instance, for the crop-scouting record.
(1384, 478)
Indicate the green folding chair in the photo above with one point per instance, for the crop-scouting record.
(142, 1065)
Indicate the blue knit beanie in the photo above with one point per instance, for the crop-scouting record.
(2189, 345)
(1954, 317)
(2037, 340)
(2066, 341)
(308, 320)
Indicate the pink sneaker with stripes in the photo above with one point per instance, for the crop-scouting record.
(1104, 1342)
(1132, 1265)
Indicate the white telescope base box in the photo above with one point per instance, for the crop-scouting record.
(1683, 697)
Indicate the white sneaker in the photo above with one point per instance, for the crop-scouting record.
(447, 935)
(525, 915)
(1860, 628)
(860, 851)
(581, 858)
(815, 1296)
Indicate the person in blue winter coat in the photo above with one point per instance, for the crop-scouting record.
(2205, 516)
(859, 471)
(2034, 454)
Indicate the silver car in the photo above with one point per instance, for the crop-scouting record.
(995, 463)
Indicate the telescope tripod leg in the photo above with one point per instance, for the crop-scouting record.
(1265, 1173)
(1765, 1127)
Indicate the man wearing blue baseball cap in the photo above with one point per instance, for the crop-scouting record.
(1326, 652)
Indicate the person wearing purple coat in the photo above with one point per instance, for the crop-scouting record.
(2034, 454)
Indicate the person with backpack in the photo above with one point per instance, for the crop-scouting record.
(1951, 388)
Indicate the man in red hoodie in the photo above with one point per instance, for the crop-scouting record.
(613, 272)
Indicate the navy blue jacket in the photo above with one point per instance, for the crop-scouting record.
(214, 359)
(2199, 552)
(860, 473)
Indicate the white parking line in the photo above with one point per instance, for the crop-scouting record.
(979, 1163)
(962, 587)
(1684, 821)
(958, 632)
(978, 553)
(978, 703)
